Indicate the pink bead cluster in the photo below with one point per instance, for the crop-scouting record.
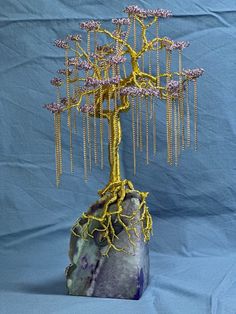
(172, 45)
(192, 74)
(64, 71)
(121, 21)
(61, 44)
(173, 88)
(116, 60)
(135, 91)
(54, 107)
(87, 108)
(135, 10)
(56, 81)
(93, 82)
(90, 25)
(75, 37)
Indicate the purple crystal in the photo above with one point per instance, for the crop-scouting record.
(75, 37)
(173, 88)
(136, 91)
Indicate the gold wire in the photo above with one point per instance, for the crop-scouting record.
(157, 54)
(109, 124)
(141, 123)
(188, 115)
(195, 114)
(101, 127)
(84, 146)
(133, 133)
(176, 133)
(147, 135)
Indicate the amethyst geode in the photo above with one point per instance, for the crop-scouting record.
(119, 275)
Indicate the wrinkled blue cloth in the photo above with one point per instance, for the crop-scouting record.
(193, 249)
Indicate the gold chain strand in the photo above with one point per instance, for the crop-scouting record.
(181, 97)
(154, 131)
(151, 107)
(140, 123)
(101, 127)
(69, 110)
(176, 133)
(124, 70)
(58, 126)
(109, 124)
(75, 124)
(95, 132)
(195, 115)
(59, 141)
(157, 55)
(89, 140)
(126, 38)
(147, 144)
(85, 147)
(143, 58)
(135, 35)
(188, 115)
(150, 62)
(56, 150)
(133, 134)
(137, 120)
(168, 111)
(88, 42)
(178, 127)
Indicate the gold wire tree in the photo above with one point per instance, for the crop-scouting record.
(101, 82)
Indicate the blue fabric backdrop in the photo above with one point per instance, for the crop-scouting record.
(193, 250)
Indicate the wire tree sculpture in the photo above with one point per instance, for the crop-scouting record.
(101, 82)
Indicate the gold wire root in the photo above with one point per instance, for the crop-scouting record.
(103, 224)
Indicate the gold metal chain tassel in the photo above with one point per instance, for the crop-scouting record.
(154, 130)
(95, 132)
(137, 120)
(69, 111)
(181, 98)
(85, 147)
(124, 70)
(88, 42)
(140, 123)
(75, 124)
(59, 142)
(157, 54)
(178, 128)
(195, 114)
(89, 139)
(150, 62)
(176, 133)
(147, 127)
(135, 34)
(57, 155)
(109, 125)
(168, 111)
(188, 115)
(58, 128)
(101, 127)
(133, 133)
